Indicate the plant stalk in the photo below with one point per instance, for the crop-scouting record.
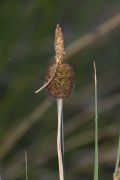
(60, 138)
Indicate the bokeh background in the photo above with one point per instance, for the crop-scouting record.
(28, 121)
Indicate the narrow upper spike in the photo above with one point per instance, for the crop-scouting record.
(59, 44)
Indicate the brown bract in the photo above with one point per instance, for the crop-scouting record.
(62, 83)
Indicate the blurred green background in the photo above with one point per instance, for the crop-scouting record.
(28, 121)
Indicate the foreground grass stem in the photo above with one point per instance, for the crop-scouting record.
(118, 155)
(96, 128)
(116, 175)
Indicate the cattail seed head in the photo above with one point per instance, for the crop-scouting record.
(62, 83)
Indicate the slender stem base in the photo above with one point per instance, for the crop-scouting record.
(60, 139)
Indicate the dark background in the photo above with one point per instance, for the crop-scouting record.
(29, 121)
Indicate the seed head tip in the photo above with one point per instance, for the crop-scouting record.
(57, 26)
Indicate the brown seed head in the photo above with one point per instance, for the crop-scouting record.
(62, 83)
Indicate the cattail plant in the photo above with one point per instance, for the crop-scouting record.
(59, 81)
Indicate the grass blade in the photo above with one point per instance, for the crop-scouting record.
(96, 128)
(118, 156)
(26, 165)
(116, 174)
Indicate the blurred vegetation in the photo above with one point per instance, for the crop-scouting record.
(29, 121)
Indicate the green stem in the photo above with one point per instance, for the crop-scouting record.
(118, 155)
(96, 128)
